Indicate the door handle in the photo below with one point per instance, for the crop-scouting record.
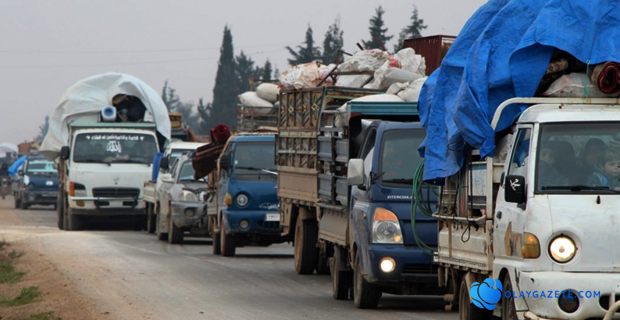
(499, 215)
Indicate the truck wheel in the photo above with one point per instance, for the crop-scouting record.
(160, 235)
(467, 311)
(365, 295)
(175, 235)
(306, 252)
(322, 262)
(509, 311)
(60, 209)
(216, 243)
(227, 244)
(341, 278)
(17, 202)
(150, 219)
(23, 205)
(75, 221)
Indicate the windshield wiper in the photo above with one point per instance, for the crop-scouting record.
(577, 188)
(258, 169)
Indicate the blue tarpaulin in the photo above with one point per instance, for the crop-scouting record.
(16, 165)
(503, 52)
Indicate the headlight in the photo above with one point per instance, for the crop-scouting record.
(242, 200)
(385, 227)
(562, 249)
(189, 196)
(26, 180)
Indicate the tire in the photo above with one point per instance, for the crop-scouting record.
(365, 295)
(227, 244)
(151, 222)
(509, 310)
(23, 205)
(60, 208)
(217, 244)
(18, 203)
(467, 311)
(75, 221)
(175, 235)
(342, 279)
(160, 235)
(306, 252)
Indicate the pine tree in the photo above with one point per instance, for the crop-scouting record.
(245, 71)
(276, 74)
(170, 98)
(267, 71)
(306, 52)
(378, 31)
(333, 43)
(226, 85)
(412, 31)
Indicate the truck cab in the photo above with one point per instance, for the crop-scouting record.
(246, 205)
(103, 170)
(38, 183)
(384, 253)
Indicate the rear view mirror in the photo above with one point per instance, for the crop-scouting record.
(355, 172)
(225, 162)
(65, 153)
(515, 189)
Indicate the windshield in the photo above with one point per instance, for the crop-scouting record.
(187, 172)
(578, 157)
(43, 167)
(178, 153)
(400, 158)
(114, 148)
(254, 158)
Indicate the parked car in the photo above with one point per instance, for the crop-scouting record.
(37, 183)
(181, 202)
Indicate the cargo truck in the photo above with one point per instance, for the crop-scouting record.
(345, 169)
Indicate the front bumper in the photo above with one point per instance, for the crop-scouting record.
(187, 214)
(108, 212)
(40, 197)
(256, 220)
(413, 267)
(106, 203)
(596, 291)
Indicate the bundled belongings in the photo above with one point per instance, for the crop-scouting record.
(205, 158)
(307, 75)
(133, 99)
(268, 91)
(504, 51)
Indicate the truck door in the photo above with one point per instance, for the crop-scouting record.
(508, 220)
(360, 202)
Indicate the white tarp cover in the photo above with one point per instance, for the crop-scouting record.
(7, 148)
(86, 98)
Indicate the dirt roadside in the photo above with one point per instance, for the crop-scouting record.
(54, 296)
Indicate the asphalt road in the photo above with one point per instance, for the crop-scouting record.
(132, 275)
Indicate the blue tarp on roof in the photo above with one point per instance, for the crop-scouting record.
(503, 52)
(17, 165)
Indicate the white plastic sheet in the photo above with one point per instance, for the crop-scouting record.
(85, 98)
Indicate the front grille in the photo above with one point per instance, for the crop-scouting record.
(116, 192)
(420, 268)
(268, 225)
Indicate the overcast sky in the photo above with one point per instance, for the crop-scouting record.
(47, 45)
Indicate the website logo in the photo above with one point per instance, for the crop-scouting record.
(485, 295)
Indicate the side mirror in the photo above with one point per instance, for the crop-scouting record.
(515, 189)
(65, 152)
(225, 162)
(166, 177)
(355, 172)
(164, 164)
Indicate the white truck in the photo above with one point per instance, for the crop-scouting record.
(104, 134)
(541, 223)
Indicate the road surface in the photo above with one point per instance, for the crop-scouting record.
(132, 275)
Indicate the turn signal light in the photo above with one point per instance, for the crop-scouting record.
(530, 246)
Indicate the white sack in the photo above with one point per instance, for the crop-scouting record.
(411, 61)
(251, 99)
(268, 91)
(574, 85)
(307, 75)
(366, 60)
(85, 98)
(412, 92)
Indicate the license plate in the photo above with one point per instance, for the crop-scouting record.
(272, 217)
(49, 183)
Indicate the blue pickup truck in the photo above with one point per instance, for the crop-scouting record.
(244, 208)
(37, 183)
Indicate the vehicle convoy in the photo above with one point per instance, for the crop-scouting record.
(345, 184)
(153, 188)
(38, 183)
(105, 133)
(528, 158)
(242, 206)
